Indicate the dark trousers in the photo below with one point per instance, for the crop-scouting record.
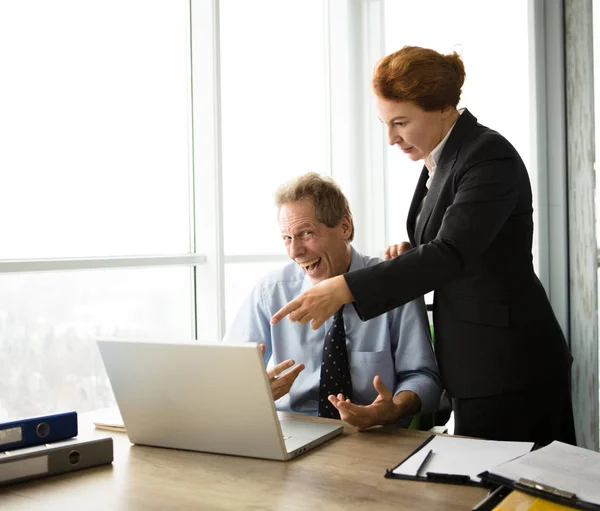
(539, 414)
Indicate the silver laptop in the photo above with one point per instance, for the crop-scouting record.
(199, 396)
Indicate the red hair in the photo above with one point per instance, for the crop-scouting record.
(422, 76)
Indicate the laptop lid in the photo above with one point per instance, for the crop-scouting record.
(199, 396)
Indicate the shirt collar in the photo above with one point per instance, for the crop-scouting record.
(431, 162)
(356, 263)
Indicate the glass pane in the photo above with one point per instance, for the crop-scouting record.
(492, 94)
(240, 278)
(94, 128)
(274, 85)
(49, 323)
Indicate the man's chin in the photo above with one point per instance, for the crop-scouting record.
(317, 278)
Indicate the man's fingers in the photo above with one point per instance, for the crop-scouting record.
(381, 389)
(262, 348)
(280, 380)
(343, 405)
(292, 374)
(279, 368)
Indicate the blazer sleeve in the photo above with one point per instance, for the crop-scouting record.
(481, 195)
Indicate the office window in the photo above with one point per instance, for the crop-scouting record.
(275, 123)
(94, 128)
(94, 159)
(49, 323)
(274, 105)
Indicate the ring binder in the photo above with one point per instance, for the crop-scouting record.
(53, 459)
(523, 483)
(31, 431)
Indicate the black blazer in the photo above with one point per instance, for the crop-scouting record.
(495, 331)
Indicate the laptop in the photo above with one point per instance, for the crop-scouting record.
(199, 396)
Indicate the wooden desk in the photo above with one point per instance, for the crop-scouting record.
(345, 473)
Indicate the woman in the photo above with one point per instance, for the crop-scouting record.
(501, 351)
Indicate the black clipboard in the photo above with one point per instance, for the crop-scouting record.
(430, 477)
(566, 474)
(444, 450)
(540, 490)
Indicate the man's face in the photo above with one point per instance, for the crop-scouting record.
(321, 251)
(415, 131)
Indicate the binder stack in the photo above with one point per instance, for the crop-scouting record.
(42, 446)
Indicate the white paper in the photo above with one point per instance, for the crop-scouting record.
(561, 466)
(462, 456)
(108, 418)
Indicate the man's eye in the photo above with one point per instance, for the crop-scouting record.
(307, 233)
(398, 123)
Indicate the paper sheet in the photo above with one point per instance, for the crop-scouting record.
(109, 419)
(561, 466)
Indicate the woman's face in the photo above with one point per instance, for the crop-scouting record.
(415, 131)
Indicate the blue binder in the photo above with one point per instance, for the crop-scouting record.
(40, 430)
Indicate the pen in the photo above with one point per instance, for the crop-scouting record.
(424, 463)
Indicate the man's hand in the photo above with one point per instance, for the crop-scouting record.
(317, 304)
(395, 250)
(386, 409)
(282, 383)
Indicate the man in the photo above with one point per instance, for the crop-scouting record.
(392, 369)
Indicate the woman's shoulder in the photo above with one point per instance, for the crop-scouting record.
(479, 138)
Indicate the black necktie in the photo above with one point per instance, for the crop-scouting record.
(335, 370)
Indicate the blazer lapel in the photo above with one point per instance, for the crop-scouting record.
(437, 183)
(415, 205)
(463, 126)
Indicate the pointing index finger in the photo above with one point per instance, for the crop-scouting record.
(284, 311)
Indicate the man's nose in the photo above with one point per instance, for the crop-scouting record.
(296, 248)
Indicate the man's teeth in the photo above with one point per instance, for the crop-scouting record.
(310, 263)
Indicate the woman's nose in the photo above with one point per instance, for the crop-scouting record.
(393, 137)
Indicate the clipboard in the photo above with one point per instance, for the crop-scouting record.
(456, 460)
(558, 472)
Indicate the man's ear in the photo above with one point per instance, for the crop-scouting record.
(346, 226)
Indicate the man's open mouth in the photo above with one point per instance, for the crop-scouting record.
(311, 266)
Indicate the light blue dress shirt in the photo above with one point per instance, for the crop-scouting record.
(396, 345)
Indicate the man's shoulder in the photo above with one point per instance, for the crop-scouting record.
(362, 261)
(289, 275)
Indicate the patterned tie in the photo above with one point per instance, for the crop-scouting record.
(335, 370)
